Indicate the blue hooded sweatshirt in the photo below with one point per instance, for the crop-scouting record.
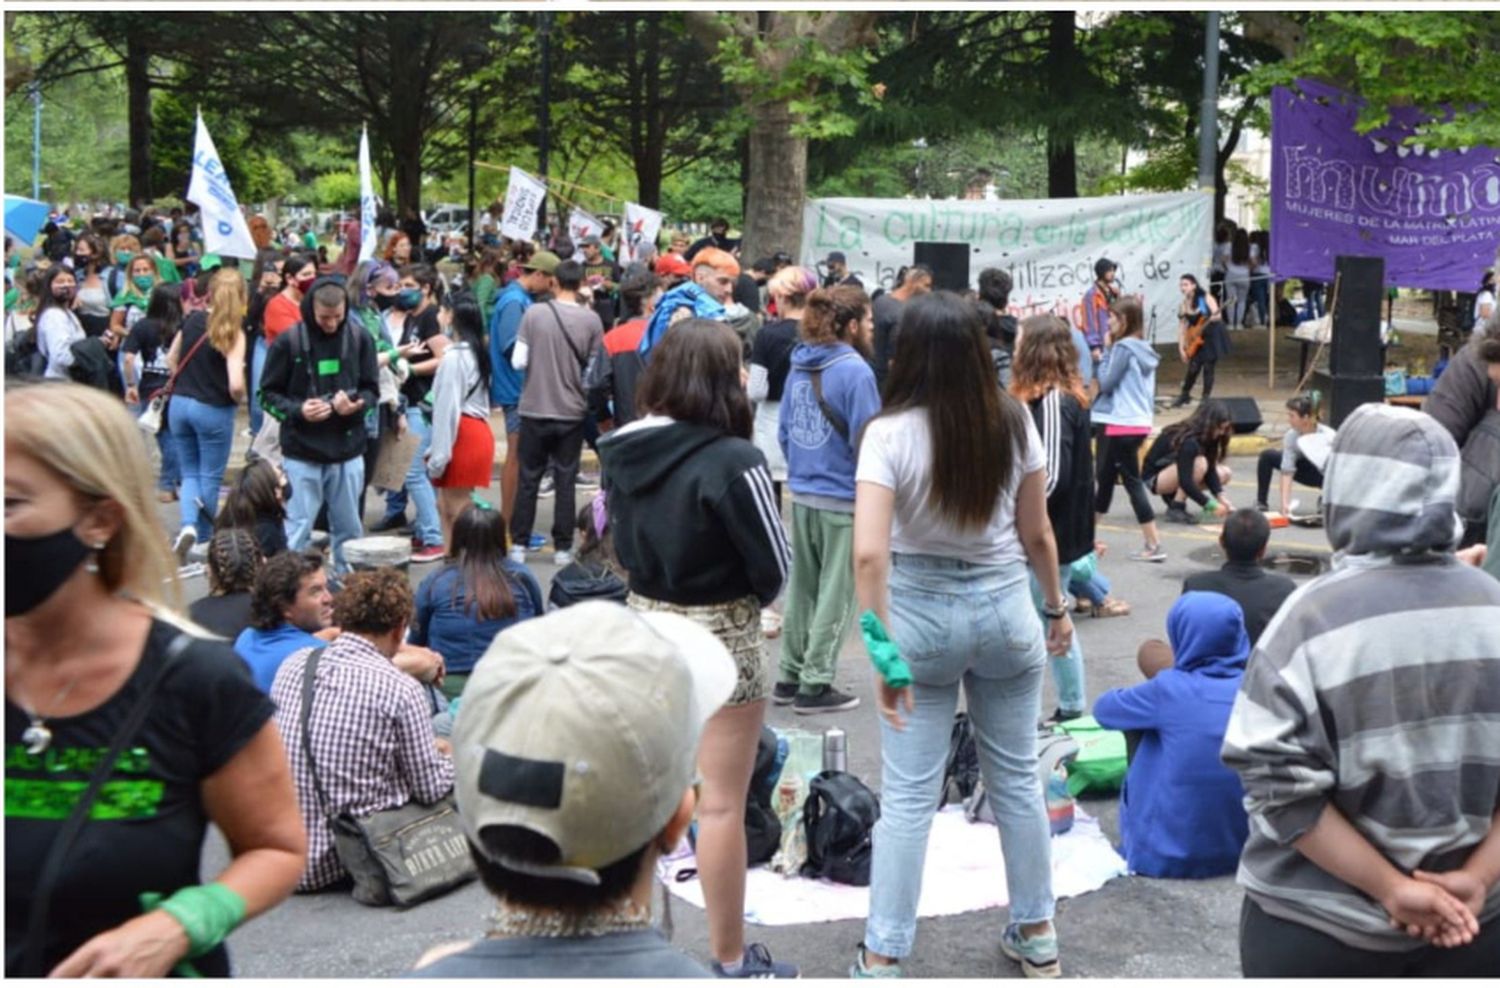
(505, 321)
(1127, 384)
(820, 463)
(685, 296)
(1182, 812)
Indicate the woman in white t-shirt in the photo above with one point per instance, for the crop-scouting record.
(950, 507)
(57, 325)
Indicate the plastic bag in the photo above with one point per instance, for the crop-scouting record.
(804, 760)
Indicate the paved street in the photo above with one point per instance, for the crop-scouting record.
(1114, 932)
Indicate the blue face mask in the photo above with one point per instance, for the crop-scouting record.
(409, 299)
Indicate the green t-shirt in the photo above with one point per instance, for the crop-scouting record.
(166, 269)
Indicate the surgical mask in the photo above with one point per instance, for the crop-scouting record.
(409, 299)
(143, 281)
(82, 261)
(123, 257)
(48, 562)
(383, 302)
(62, 294)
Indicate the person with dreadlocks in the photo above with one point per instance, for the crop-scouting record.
(234, 561)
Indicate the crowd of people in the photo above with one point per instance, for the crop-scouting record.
(947, 469)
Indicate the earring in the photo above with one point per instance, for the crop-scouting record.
(92, 566)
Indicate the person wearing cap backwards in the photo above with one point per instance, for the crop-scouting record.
(575, 761)
(1096, 302)
(535, 281)
(838, 271)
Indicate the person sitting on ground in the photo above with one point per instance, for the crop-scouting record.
(1303, 453)
(234, 561)
(1188, 454)
(1180, 811)
(477, 594)
(370, 726)
(596, 573)
(1363, 732)
(572, 864)
(257, 503)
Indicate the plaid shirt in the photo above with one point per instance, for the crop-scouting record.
(371, 732)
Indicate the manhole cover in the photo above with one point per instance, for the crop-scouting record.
(1293, 563)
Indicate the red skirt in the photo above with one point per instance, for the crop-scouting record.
(473, 455)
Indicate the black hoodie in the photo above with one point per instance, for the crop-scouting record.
(343, 361)
(694, 517)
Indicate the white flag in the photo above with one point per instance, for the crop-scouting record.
(580, 225)
(642, 227)
(224, 228)
(523, 200)
(366, 200)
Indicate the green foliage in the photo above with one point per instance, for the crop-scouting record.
(335, 190)
(1436, 60)
(701, 191)
(84, 139)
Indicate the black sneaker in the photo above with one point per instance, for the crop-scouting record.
(1262, 507)
(1182, 401)
(825, 700)
(1179, 515)
(757, 963)
(783, 693)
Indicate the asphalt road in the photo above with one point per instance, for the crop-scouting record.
(1133, 927)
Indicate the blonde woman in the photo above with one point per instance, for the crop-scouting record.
(86, 641)
(208, 358)
(771, 361)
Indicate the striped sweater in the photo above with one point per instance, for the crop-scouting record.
(1376, 688)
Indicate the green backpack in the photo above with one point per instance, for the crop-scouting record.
(1099, 768)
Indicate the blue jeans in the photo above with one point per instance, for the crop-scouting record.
(203, 435)
(257, 367)
(429, 526)
(316, 484)
(1067, 670)
(1093, 590)
(170, 475)
(958, 623)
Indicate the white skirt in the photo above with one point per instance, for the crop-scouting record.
(767, 421)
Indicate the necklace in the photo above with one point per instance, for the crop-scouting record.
(38, 737)
(518, 921)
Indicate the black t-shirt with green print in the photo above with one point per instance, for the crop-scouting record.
(145, 831)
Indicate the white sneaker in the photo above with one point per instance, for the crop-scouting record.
(562, 557)
(183, 544)
(518, 554)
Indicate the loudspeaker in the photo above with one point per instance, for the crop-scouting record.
(949, 263)
(1355, 347)
(1343, 394)
(1245, 413)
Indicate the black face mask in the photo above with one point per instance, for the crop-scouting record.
(383, 302)
(47, 562)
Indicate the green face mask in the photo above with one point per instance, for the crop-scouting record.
(143, 282)
(123, 257)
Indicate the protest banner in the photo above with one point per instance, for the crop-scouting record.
(1049, 246)
(523, 201)
(1434, 216)
(366, 199)
(582, 224)
(642, 227)
(225, 231)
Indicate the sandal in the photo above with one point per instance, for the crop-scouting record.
(1111, 608)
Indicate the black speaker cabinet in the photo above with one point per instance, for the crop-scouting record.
(949, 263)
(1342, 395)
(1355, 348)
(1245, 413)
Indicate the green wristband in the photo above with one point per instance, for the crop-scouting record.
(208, 913)
(1212, 504)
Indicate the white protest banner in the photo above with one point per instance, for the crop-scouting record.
(523, 201)
(642, 227)
(224, 228)
(580, 225)
(1049, 246)
(366, 199)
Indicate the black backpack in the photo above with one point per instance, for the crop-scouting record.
(961, 774)
(839, 822)
(762, 826)
(580, 581)
(22, 358)
(93, 365)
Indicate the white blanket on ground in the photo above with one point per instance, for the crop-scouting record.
(965, 872)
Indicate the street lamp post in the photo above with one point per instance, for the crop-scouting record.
(36, 142)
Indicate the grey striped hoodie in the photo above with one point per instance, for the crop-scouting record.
(1375, 687)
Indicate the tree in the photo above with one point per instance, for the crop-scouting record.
(789, 67)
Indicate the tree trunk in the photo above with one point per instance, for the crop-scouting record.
(647, 118)
(777, 183)
(138, 102)
(1061, 68)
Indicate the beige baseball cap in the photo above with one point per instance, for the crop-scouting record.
(583, 726)
(544, 261)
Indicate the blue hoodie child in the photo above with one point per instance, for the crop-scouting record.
(1182, 811)
(820, 463)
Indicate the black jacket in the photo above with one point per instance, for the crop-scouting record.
(694, 518)
(1064, 425)
(344, 361)
(1259, 593)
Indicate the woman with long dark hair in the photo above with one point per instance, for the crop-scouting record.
(56, 322)
(146, 372)
(89, 264)
(1123, 413)
(256, 504)
(1188, 454)
(695, 524)
(461, 455)
(284, 309)
(1201, 340)
(1045, 377)
(476, 595)
(950, 510)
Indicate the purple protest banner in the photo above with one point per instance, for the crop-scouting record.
(1433, 215)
